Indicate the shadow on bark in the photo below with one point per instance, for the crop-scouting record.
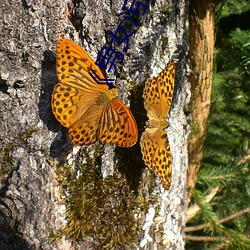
(9, 239)
(130, 159)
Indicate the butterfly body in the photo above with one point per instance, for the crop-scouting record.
(157, 123)
(158, 93)
(107, 96)
(90, 111)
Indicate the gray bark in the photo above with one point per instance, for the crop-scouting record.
(32, 142)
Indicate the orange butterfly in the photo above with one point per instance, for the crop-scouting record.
(158, 93)
(89, 110)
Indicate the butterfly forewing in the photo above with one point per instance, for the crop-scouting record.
(63, 105)
(73, 66)
(158, 92)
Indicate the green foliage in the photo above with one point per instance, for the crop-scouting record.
(218, 176)
(230, 7)
(226, 153)
(207, 211)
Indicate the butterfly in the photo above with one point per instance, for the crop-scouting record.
(90, 111)
(157, 95)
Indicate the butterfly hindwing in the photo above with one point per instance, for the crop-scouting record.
(84, 133)
(118, 125)
(157, 155)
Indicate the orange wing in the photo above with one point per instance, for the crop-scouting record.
(117, 125)
(73, 66)
(156, 154)
(158, 93)
(85, 130)
(76, 90)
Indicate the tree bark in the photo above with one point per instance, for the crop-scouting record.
(46, 184)
(201, 40)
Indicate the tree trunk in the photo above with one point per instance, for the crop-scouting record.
(54, 195)
(201, 40)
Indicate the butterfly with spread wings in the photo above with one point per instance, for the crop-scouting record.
(158, 94)
(90, 111)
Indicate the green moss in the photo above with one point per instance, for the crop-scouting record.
(164, 10)
(5, 160)
(129, 83)
(105, 212)
(28, 133)
(123, 76)
(195, 129)
(164, 45)
(19, 140)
